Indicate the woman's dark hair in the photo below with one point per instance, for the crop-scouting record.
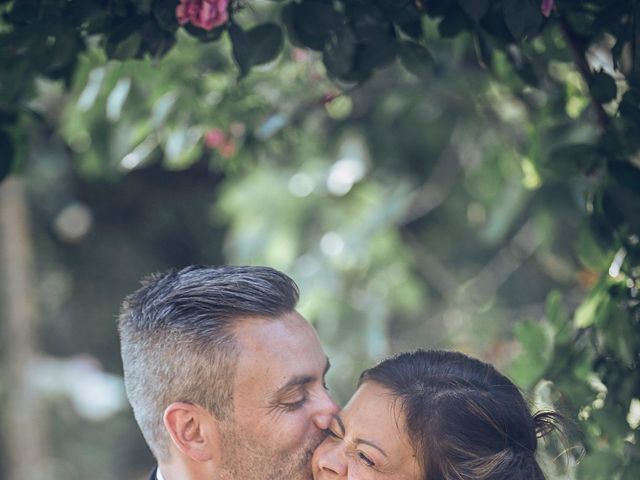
(465, 419)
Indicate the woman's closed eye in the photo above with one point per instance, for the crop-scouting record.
(365, 459)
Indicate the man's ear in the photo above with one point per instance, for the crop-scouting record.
(193, 430)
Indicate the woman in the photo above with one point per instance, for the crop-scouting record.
(434, 415)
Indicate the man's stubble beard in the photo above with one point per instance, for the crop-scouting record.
(246, 459)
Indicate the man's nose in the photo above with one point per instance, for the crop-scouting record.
(326, 409)
(332, 461)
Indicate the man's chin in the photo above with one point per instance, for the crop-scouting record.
(307, 465)
(243, 456)
(307, 469)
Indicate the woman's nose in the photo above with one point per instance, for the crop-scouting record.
(331, 460)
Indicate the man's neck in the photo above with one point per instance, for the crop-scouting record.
(159, 475)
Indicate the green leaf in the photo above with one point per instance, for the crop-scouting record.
(594, 309)
(416, 59)
(369, 24)
(436, 8)
(620, 207)
(124, 40)
(493, 22)
(241, 49)
(259, 45)
(474, 8)
(532, 336)
(124, 28)
(523, 66)
(156, 41)
(611, 209)
(311, 22)
(454, 23)
(625, 174)
(401, 11)
(599, 465)
(26, 11)
(63, 52)
(533, 361)
(523, 17)
(558, 317)
(126, 49)
(630, 106)
(143, 6)
(569, 160)
(8, 117)
(375, 36)
(630, 471)
(619, 334)
(375, 55)
(581, 21)
(412, 29)
(7, 153)
(589, 252)
(266, 42)
(555, 312)
(603, 87)
(204, 35)
(339, 54)
(164, 11)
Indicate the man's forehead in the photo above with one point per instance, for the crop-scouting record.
(289, 331)
(279, 351)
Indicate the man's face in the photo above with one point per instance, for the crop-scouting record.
(281, 404)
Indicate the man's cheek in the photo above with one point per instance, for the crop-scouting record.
(297, 431)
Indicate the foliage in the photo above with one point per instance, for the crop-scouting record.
(513, 147)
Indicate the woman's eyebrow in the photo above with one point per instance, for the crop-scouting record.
(371, 444)
(340, 423)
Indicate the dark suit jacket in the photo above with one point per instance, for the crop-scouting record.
(153, 474)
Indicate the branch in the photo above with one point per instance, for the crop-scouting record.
(439, 184)
(432, 270)
(508, 259)
(25, 422)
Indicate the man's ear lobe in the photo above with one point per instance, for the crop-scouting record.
(193, 431)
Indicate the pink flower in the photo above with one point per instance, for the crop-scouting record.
(206, 14)
(214, 138)
(547, 6)
(227, 150)
(301, 55)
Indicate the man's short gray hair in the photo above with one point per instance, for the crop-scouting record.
(177, 338)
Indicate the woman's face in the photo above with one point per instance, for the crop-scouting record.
(367, 440)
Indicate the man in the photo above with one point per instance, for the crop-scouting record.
(225, 378)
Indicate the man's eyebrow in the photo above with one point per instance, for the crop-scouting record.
(296, 381)
(299, 380)
(358, 440)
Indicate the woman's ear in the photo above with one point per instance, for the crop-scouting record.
(193, 430)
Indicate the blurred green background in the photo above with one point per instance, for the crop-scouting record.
(437, 174)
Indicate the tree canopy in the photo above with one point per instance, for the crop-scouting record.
(463, 158)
